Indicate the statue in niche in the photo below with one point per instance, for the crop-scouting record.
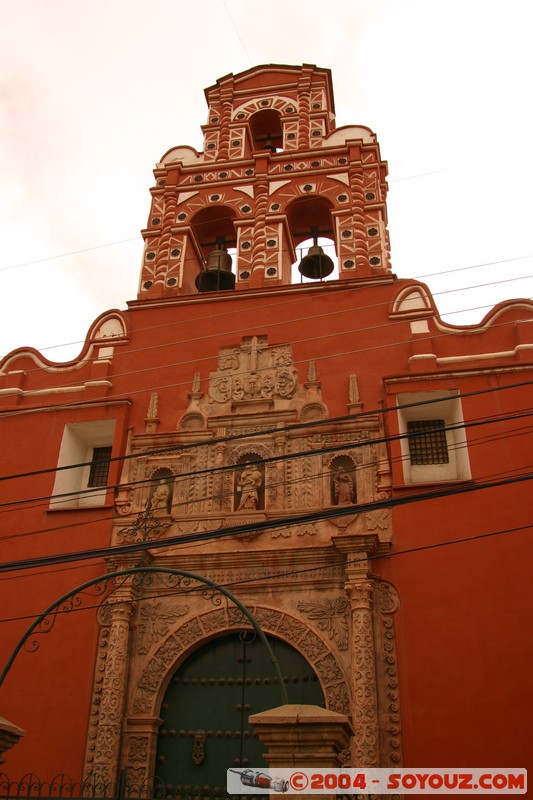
(343, 483)
(248, 484)
(159, 499)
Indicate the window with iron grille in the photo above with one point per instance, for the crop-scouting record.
(99, 467)
(427, 441)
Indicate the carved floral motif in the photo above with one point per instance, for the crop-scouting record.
(377, 519)
(330, 616)
(155, 620)
(138, 749)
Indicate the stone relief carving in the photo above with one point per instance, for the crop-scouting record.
(109, 695)
(331, 617)
(137, 749)
(252, 372)
(386, 604)
(175, 638)
(344, 488)
(286, 531)
(143, 529)
(155, 620)
(272, 621)
(159, 501)
(377, 519)
(249, 481)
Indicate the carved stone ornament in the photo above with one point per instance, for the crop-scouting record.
(292, 630)
(374, 702)
(285, 531)
(330, 616)
(254, 371)
(155, 620)
(145, 528)
(386, 603)
(377, 519)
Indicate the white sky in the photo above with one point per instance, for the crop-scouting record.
(93, 92)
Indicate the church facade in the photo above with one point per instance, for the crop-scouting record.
(349, 466)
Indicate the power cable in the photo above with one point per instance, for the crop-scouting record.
(196, 361)
(10, 506)
(296, 426)
(286, 574)
(355, 288)
(257, 527)
(110, 517)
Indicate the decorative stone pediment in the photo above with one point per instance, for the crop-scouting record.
(253, 380)
(253, 376)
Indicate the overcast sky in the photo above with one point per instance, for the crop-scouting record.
(93, 92)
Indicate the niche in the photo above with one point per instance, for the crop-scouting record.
(161, 491)
(249, 484)
(343, 490)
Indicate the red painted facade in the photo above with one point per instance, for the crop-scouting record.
(183, 368)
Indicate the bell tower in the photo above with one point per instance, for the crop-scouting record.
(274, 172)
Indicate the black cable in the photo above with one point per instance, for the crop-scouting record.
(337, 447)
(272, 325)
(272, 431)
(236, 530)
(111, 517)
(289, 573)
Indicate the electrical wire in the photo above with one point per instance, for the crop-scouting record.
(293, 573)
(172, 325)
(297, 426)
(176, 506)
(256, 527)
(196, 361)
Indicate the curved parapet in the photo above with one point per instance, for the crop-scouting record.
(107, 330)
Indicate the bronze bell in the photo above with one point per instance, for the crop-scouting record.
(217, 275)
(316, 264)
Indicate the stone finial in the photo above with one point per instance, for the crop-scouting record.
(151, 419)
(354, 399)
(196, 383)
(9, 736)
(303, 735)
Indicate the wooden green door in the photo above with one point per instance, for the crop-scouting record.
(205, 712)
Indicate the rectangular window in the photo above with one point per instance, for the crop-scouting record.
(99, 469)
(432, 437)
(427, 441)
(83, 464)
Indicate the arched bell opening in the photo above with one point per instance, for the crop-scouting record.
(214, 231)
(311, 228)
(320, 264)
(266, 130)
(208, 701)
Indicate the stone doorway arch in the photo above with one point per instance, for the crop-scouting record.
(143, 720)
(206, 708)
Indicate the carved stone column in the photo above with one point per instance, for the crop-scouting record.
(279, 450)
(365, 701)
(110, 688)
(259, 241)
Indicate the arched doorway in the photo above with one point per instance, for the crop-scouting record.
(206, 706)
